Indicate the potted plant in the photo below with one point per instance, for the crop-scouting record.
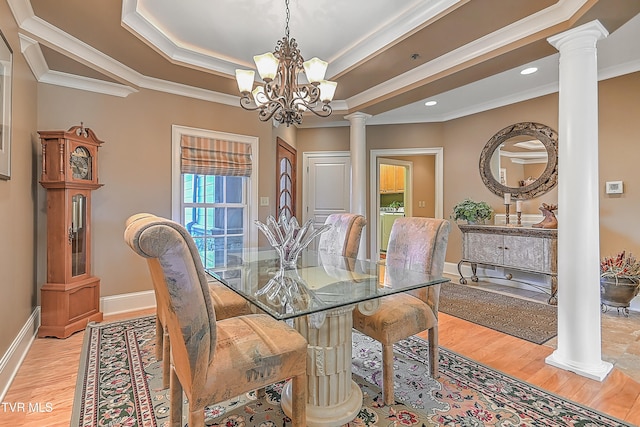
(619, 280)
(472, 211)
(395, 205)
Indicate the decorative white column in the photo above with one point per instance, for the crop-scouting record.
(358, 144)
(579, 336)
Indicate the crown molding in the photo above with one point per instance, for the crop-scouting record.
(33, 55)
(466, 54)
(377, 39)
(388, 35)
(469, 110)
(40, 31)
(138, 25)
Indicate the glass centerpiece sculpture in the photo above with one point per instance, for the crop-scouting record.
(288, 238)
(286, 288)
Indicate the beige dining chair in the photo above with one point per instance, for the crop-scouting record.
(225, 302)
(343, 238)
(213, 360)
(416, 244)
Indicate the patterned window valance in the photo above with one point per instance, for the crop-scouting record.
(208, 156)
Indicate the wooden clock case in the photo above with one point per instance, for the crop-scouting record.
(71, 296)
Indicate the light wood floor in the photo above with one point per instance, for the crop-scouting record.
(48, 374)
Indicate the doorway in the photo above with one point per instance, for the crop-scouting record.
(327, 186)
(395, 178)
(414, 205)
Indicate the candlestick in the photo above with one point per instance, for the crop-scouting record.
(519, 216)
(506, 212)
(507, 198)
(519, 206)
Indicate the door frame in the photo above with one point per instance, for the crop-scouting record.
(374, 195)
(306, 158)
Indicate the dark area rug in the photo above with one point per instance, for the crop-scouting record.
(529, 320)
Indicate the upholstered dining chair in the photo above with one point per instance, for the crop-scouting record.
(417, 244)
(213, 360)
(344, 237)
(225, 302)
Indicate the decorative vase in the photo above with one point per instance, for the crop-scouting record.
(288, 238)
(617, 292)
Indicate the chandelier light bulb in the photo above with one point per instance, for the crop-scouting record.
(267, 65)
(315, 69)
(327, 90)
(245, 80)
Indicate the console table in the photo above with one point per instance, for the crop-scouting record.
(528, 249)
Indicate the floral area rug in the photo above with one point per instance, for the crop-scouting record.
(119, 384)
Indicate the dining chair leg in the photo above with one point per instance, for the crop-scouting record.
(166, 359)
(175, 400)
(159, 340)
(299, 401)
(434, 352)
(387, 374)
(196, 417)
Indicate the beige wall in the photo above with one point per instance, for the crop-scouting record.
(619, 139)
(463, 140)
(135, 165)
(17, 198)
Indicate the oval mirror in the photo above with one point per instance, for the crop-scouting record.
(521, 159)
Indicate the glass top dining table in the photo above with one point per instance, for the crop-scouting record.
(321, 281)
(320, 295)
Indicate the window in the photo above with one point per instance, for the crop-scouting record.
(214, 212)
(215, 209)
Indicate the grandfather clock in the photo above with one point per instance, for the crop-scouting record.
(71, 296)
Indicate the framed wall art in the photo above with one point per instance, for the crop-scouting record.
(6, 68)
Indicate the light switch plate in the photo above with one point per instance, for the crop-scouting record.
(264, 201)
(614, 187)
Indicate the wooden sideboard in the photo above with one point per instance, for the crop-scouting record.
(527, 249)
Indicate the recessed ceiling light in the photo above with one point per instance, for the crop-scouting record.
(430, 103)
(529, 70)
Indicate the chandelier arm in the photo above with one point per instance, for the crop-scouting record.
(247, 103)
(325, 111)
(268, 110)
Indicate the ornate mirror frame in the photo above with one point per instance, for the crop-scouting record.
(547, 136)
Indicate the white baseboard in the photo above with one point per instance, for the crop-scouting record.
(123, 303)
(15, 354)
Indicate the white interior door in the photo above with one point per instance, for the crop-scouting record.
(327, 186)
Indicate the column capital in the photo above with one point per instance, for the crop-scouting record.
(592, 31)
(357, 116)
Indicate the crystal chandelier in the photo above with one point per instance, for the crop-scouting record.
(281, 96)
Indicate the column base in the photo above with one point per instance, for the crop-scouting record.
(597, 372)
(327, 416)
